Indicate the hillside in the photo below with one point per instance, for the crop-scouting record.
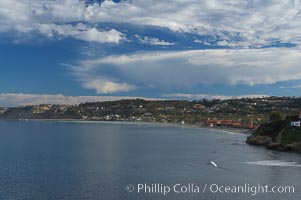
(278, 135)
(246, 113)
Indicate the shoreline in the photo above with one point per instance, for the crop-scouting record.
(222, 129)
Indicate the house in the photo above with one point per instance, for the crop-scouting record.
(296, 123)
(198, 106)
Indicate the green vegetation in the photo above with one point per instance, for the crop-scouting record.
(291, 135)
(271, 128)
(279, 135)
(276, 116)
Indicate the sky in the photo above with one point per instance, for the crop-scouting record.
(72, 51)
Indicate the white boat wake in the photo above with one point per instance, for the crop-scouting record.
(277, 163)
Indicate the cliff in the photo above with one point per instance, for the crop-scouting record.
(278, 135)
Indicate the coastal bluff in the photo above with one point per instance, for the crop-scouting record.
(283, 135)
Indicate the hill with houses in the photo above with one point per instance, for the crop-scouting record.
(234, 113)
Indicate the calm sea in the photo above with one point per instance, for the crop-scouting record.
(99, 161)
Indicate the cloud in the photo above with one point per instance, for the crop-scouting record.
(80, 31)
(93, 34)
(153, 41)
(187, 69)
(53, 18)
(209, 96)
(290, 87)
(105, 87)
(230, 23)
(20, 99)
(15, 15)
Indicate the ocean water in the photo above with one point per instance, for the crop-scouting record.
(100, 161)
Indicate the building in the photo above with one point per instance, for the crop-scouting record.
(296, 123)
(198, 106)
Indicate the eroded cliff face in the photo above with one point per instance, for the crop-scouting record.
(259, 140)
(278, 135)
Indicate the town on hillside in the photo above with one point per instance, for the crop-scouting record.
(246, 113)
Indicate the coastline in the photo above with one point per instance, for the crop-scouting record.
(222, 129)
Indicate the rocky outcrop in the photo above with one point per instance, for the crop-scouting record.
(278, 135)
(259, 140)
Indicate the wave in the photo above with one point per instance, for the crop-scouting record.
(121, 122)
(230, 132)
(277, 163)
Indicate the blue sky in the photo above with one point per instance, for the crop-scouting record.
(71, 51)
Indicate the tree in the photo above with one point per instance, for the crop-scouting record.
(275, 116)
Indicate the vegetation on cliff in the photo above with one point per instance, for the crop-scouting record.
(278, 134)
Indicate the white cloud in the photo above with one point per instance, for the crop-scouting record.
(52, 18)
(153, 41)
(210, 96)
(104, 87)
(20, 99)
(80, 31)
(93, 34)
(185, 69)
(291, 87)
(14, 15)
(256, 23)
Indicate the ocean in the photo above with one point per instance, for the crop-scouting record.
(52, 160)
